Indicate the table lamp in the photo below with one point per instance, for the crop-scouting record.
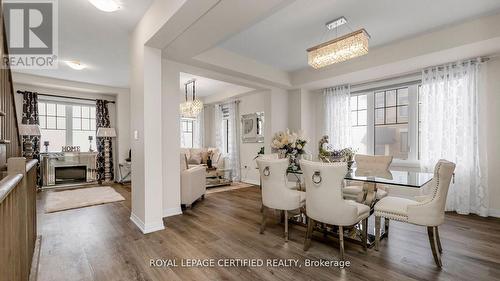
(29, 130)
(106, 133)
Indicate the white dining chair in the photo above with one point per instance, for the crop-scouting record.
(276, 193)
(326, 204)
(375, 163)
(425, 210)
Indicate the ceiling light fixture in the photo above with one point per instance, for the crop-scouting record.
(75, 64)
(340, 49)
(191, 109)
(106, 5)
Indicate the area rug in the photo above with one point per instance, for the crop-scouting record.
(234, 186)
(81, 197)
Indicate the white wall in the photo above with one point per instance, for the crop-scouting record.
(251, 104)
(147, 107)
(119, 112)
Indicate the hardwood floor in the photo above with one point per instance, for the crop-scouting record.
(101, 243)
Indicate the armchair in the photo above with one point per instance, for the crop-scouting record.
(425, 210)
(325, 202)
(193, 183)
(354, 190)
(275, 191)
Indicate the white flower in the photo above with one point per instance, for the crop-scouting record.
(299, 146)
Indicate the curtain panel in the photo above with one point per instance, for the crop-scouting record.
(102, 121)
(337, 115)
(450, 130)
(30, 117)
(234, 139)
(228, 112)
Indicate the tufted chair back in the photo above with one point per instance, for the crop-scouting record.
(373, 162)
(324, 200)
(268, 156)
(275, 193)
(430, 212)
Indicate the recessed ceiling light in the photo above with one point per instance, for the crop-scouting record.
(75, 65)
(106, 5)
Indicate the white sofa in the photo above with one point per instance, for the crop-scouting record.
(198, 156)
(193, 183)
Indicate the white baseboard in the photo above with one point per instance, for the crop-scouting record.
(250, 181)
(494, 213)
(146, 228)
(172, 212)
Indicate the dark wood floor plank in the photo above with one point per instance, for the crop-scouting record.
(101, 243)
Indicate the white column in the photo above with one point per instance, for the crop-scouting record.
(146, 143)
(171, 152)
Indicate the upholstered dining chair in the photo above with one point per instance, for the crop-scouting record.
(374, 163)
(276, 193)
(425, 210)
(326, 204)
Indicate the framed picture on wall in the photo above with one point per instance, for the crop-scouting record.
(252, 127)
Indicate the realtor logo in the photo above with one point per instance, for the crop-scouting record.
(31, 32)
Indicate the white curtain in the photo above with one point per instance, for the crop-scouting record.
(198, 130)
(337, 112)
(450, 130)
(233, 133)
(218, 128)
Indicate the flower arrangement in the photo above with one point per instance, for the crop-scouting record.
(291, 145)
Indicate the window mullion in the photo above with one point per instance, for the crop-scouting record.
(69, 125)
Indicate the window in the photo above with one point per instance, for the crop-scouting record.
(391, 123)
(63, 124)
(187, 132)
(386, 122)
(359, 120)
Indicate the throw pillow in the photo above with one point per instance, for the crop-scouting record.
(195, 159)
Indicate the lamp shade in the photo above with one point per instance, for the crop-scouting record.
(106, 132)
(29, 130)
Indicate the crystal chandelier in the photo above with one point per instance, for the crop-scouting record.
(340, 49)
(191, 108)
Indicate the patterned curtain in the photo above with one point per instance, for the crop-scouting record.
(30, 117)
(102, 121)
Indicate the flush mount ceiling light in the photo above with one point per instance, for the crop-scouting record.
(191, 108)
(106, 5)
(340, 49)
(75, 64)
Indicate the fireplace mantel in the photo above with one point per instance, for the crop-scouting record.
(52, 160)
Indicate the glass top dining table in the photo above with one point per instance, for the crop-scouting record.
(403, 178)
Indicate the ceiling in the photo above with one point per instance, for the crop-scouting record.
(207, 87)
(281, 39)
(98, 39)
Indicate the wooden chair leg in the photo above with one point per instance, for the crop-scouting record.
(310, 228)
(386, 227)
(438, 240)
(431, 231)
(341, 242)
(286, 225)
(261, 207)
(364, 233)
(377, 232)
(263, 222)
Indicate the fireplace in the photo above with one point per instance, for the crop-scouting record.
(60, 168)
(71, 174)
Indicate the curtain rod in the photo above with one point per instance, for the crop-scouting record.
(64, 97)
